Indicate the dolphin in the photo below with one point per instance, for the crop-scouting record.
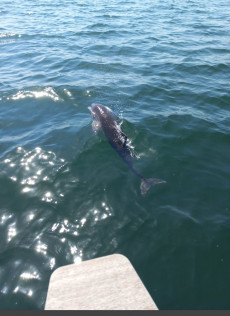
(103, 118)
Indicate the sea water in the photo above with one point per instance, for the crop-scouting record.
(163, 67)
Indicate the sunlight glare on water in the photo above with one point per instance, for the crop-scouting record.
(46, 93)
(32, 168)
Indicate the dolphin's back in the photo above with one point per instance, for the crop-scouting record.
(110, 127)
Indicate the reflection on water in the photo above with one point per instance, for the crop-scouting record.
(11, 232)
(31, 168)
(28, 275)
(43, 221)
(44, 93)
(5, 217)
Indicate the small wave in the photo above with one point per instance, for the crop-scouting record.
(8, 38)
(97, 25)
(10, 35)
(47, 92)
(181, 213)
(96, 33)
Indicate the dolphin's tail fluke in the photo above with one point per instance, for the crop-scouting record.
(146, 184)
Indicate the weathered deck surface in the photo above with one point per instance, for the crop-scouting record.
(106, 283)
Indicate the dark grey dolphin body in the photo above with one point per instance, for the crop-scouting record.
(104, 118)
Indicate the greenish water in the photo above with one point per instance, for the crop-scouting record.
(164, 68)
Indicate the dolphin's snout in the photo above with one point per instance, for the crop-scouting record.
(93, 108)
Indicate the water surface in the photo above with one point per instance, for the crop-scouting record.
(163, 67)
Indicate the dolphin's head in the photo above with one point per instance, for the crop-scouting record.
(99, 111)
